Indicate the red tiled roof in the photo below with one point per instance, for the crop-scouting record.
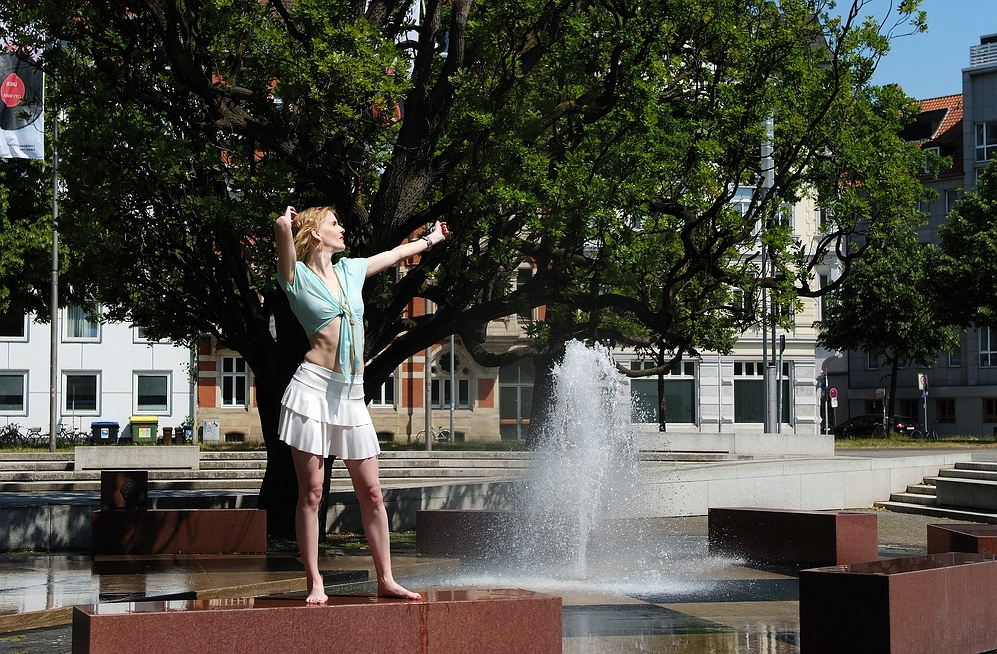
(948, 135)
(950, 131)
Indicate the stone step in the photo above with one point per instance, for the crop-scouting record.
(921, 489)
(938, 512)
(36, 456)
(990, 466)
(233, 464)
(18, 466)
(914, 498)
(968, 473)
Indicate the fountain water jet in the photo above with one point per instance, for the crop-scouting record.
(585, 463)
(573, 526)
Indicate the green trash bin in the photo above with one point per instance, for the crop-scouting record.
(145, 429)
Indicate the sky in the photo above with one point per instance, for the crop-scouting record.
(929, 65)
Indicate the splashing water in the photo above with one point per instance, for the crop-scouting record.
(585, 462)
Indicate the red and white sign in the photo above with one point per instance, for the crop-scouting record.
(832, 393)
(22, 122)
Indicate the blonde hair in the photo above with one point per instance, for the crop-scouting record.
(302, 226)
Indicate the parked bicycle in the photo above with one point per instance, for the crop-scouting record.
(11, 436)
(928, 434)
(439, 435)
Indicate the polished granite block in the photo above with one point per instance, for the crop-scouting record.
(175, 531)
(790, 537)
(979, 539)
(501, 621)
(124, 489)
(935, 603)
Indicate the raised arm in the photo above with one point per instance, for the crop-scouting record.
(286, 257)
(384, 260)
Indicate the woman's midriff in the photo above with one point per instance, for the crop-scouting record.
(325, 347)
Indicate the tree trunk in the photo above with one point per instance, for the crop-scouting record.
(544, 386)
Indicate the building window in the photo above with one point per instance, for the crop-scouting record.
(825, 280)
(12, 396)
(910, 408)
(945, 410)
(986, 140)
(235, 382)
(951, 197)
(749, 391)
(515, 399)
(385, 395)
(680, 393)
(990, 409)
(523, 276)
(80, 392)
(138, 335)
(871, 361)
(13, 325)
(152, 393)
(79, 326)
(937, 151)
(955, 356)
(988, 356)
(442, 382)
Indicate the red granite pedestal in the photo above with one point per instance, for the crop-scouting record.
(978, 539)
(180, 531)
(935, 603)
(790, 537)
(505, 621)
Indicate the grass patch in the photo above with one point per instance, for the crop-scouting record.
(901, 442)
(352, 544)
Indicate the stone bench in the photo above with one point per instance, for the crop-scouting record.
(136, 457)
(791, 537)
(180, 531)
(935, 603)
(504, 621)
(978, 539)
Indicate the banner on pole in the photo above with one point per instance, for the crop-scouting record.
(22, 122)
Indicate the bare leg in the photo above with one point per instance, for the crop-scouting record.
(309, 469)
(367, 486)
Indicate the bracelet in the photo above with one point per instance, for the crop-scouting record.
(429, 243)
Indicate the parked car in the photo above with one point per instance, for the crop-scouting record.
(872, 423)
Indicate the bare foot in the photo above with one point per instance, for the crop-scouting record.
(317, 596)
(392, 589)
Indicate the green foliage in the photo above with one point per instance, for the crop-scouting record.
(966, 282)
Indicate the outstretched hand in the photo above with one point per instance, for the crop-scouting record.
(439, 233)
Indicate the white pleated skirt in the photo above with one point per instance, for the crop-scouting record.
(323, 413)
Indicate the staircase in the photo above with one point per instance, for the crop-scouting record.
(968, 492)
(244, 470)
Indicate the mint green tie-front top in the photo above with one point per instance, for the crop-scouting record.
(314, 305)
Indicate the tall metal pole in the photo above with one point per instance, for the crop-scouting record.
(53, 405)
(453, 386)
(429, 392)
(768, 367)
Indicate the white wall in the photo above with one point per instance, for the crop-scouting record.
(116, 354)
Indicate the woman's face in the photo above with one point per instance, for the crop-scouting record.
(330, 233)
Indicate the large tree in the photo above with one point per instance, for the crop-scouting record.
(602, 142)
(967, 275)
(888, 307)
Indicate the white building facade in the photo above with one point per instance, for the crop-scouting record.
(108, 372)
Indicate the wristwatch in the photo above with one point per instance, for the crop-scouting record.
(429, 242)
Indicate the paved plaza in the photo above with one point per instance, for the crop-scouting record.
(672, 597)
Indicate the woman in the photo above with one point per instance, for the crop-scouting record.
(323, 411)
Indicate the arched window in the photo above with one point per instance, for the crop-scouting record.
(441, 381)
